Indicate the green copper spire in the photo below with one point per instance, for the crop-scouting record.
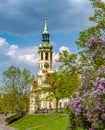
(45, 45)
(45, 26)
(45, 34)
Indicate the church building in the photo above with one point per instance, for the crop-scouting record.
(45, 66)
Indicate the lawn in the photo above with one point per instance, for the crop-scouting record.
(42, 122)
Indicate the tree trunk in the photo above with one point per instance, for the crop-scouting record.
(57, 101)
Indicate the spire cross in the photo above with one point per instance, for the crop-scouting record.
(45, 18)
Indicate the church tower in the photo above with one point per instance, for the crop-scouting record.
(45, 53)
(45, 61)
(38, 99)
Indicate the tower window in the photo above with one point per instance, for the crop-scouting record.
(46, 56)
(41, 56)
(50, 56)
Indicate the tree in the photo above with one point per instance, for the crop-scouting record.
(60, 85)
(68, 61)
(16, 88)
(87, 108)
(99, 16)
(98, 28)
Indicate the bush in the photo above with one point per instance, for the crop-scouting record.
(13, 118)
(87, 107)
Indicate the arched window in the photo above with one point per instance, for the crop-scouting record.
(50, 56)
(46, 56)
(41, 56)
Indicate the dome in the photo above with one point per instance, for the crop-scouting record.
(45, 46)
(45, 32)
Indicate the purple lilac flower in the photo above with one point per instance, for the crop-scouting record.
(102, 40)
(99, 48)
(99, 81)
(87, 108)
(86, 95)
(89, 116)
(91, 129)
(98, 92)
(77, 111)
(103, 91)
(96, 39)
(103, 69)
(103, 116)
(98, 106)
(92, 40)
(75, 102)
(102, 82)
(92, 56)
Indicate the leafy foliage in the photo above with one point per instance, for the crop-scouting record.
(98, 28)
(87, 108)
(15, 89)
(61, 85)
(67, 61)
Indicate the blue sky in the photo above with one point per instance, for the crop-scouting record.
(22, 23)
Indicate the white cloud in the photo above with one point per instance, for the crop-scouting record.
(12, 50)
(3, 42)
(28, 59)
(23, 55)
(64, 48)
(55, 57)
(14, 55)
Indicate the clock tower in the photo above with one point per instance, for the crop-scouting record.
(45, 52)
(45, 60)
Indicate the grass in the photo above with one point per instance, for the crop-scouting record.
(42, 122)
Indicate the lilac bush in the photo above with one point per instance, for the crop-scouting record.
(87, 108)
(96, 47)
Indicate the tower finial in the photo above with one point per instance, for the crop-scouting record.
(45, 34)
(45, 26)
(45, 18)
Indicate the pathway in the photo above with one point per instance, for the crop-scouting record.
(3, 123)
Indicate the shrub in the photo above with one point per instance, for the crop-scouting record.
(13, 118)
(87, 108)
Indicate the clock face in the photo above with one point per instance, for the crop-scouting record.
(46, 65)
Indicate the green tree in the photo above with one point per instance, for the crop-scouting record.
(72, 63)
(68, 62)
(82, 111)
(16, 88)
(99, 27)
(61, 85)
